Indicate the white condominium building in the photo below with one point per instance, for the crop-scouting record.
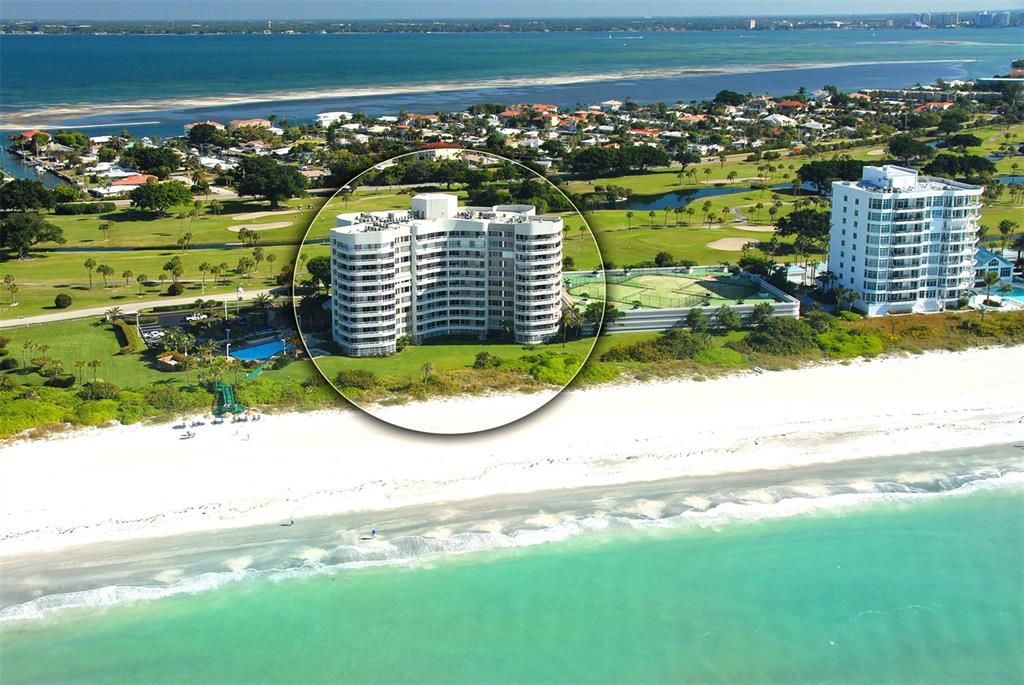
(902, 241)
(440, 269)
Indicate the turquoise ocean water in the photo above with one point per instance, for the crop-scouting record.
(417, 70)
(926, 589)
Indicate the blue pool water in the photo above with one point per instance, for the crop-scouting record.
(1017, 293)
(260, 352)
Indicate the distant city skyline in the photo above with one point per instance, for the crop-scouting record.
(207, 10)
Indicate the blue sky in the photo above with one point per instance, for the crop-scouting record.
(440, 9)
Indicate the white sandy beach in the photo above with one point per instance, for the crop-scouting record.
(143, 481)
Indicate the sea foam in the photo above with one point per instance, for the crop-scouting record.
(414, 549)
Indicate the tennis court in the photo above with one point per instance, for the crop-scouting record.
(667, 290)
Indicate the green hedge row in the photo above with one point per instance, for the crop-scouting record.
(84, 208)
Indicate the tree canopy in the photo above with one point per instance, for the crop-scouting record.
(824, 171)
(208, 134)
(157, 197)
(269, 179)
(160, 161)
(809, 224)
(21, 195)
(600, 161)
(969, 167)
(22, 230)
(907, 149)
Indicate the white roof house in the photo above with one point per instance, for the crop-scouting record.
(327, 118)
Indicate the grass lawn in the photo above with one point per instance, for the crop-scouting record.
(85, 340)
(443, 357)
(44, 275)
(89, 339)
(622, 246)
(134, 228)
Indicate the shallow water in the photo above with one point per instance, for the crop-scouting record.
(380, 73)
(909, 588)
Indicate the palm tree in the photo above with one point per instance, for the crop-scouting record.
(80, 365)
(90, 264)
(105, 229)
(428, 371)
(571, 318)
(203, 268)
(1006, 228)
(141, 280)
(1018, 245)
(650, 215)
(840, 292)
(95, 364)
(851, 298)
(127, 275)
(690, 211)
(271, 258)
(629, 219)
(262, 303)
(26, 347)
(105, 270)
(990, 279)
(12, 286)
(112, 313)
(732, 176)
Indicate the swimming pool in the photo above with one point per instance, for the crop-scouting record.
(260, 352)
(1016, 294)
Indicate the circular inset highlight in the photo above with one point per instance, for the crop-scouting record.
(430, 291)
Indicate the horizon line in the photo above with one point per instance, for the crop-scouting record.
(652, 17)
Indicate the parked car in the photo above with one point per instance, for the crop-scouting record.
(197, 317)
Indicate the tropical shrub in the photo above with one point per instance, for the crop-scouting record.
(60, 380)
(356, 378)
(782, 336)
(62, 301)
(99, 390)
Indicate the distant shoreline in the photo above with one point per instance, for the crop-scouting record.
(49, 117)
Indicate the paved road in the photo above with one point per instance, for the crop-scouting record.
(129, 308)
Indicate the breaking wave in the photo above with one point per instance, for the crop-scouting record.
(753, 505)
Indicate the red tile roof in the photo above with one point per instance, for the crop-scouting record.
(134, 180)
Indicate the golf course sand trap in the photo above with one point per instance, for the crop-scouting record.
(757, 229)
(248, 216)
(730, 244)
(260, 227)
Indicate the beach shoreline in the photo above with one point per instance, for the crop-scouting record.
(139, 482)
